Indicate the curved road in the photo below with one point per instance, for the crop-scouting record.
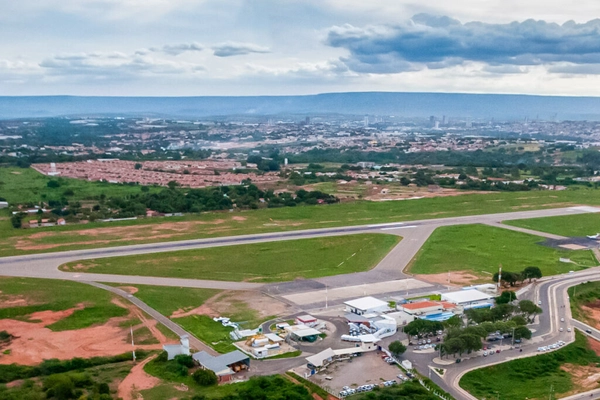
(552, 292)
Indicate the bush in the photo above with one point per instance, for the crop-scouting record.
(186, 361)
(53, 184)
(205, 377)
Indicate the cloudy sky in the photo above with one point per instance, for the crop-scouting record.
(271, 47)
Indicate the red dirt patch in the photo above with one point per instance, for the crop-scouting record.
(584, 378)
(456, 278)
(128, 289)
(239, 218)
(202, 310)
(594, 345)
(137, 380)
(592, 314)
(34, 342)
(8, 301)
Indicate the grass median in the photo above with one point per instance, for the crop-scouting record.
(216, 224)
(480, 249)
(577, 225)
(561, 372)
(262, 262)
(585, 302)
(26, 296)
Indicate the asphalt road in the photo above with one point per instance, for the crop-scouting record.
(415, 233)
(552, 292)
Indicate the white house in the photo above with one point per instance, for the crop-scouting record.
(177, 349)
(469, 299)
(366, 305)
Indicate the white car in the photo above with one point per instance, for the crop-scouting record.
(561, 329)
(568, 329)
(562, 320)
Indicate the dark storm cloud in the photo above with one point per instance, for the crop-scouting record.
(439, 41)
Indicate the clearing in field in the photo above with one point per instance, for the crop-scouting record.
(585, 303)
(193, 309)
(578, 225)
(262, 262)
(193, 226)
(478, 250)
(58, 319)
(567, 370)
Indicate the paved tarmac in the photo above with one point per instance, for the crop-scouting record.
(415, 233)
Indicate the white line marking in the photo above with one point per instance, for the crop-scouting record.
(399, 227)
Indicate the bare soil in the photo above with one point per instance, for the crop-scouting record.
(457, 278)
(137, 380)
(34, 342)
(584, 378)
(7, 301)
(592, 313)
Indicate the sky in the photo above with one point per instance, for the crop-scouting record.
(287, 47)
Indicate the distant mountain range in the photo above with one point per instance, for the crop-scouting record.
(453, 105)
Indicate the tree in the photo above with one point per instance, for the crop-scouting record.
(453, 322)
(397, 348)
(138, 166)
(519, 320)
(205, 377)
(522, 332)
(172, 184)
(506, 297)
(53, 184)
(531, 273)
(420, 327)
(502, 311)
(529, 308)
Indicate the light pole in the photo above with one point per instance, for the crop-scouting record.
(513, 338)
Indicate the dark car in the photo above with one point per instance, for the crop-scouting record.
(458, 360)
(588, 331)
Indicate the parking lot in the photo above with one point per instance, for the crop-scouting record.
(369, 368)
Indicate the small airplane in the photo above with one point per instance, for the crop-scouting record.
(596, 236)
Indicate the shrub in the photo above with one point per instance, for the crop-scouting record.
(204, 377)
(185, 360)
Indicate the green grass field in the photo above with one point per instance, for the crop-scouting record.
(26, 185)
(57, 295)
(581, 295)
(94, 235)
(531, 378)
(264, 262)
(570, 225)
(167, 300)
(479, 249)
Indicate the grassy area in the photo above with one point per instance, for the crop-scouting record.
(21, 241)
(479, 249)
(263, 262)
(167, 300)
(54, 295)
(569, 225)
(26, 185)
(265, 387)
(210, 332)
(531, 377)
(581, 295)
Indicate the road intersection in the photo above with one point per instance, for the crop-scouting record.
(387, 277)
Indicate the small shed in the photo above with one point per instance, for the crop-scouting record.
(320, 360)
(176, 349)
(366, 305)
(225, 365)
(307, 320)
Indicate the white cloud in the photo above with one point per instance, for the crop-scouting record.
(229, 49)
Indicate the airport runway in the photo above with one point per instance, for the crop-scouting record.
(414, 234)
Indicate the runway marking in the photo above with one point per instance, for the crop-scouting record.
(400, 227)
(389, 224)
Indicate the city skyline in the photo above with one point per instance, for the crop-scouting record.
(195, 48)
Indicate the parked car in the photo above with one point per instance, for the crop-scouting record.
(458, 360)
(485, 353)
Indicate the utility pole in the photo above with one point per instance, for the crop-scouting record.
(499, 276)
(132, 344)
(513, 338)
